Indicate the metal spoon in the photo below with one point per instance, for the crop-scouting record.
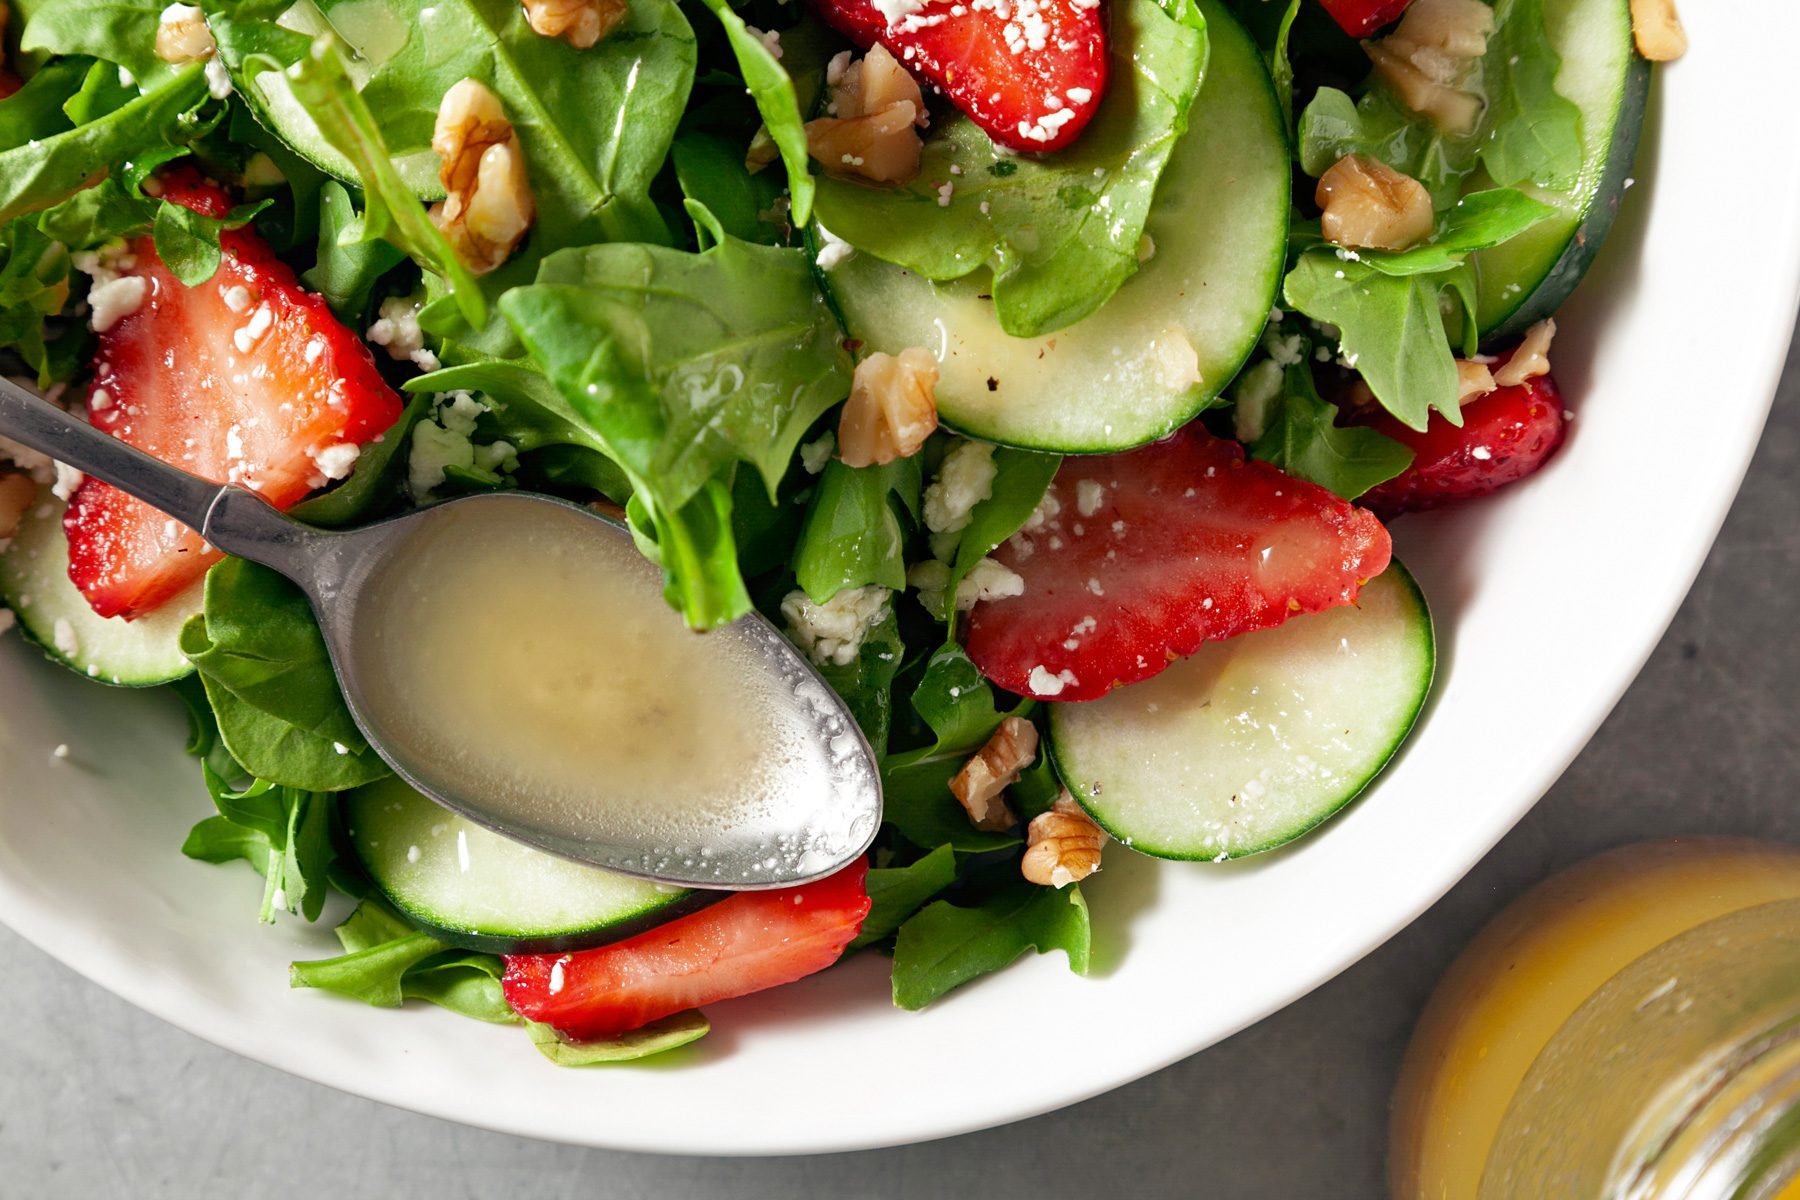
(792, 841)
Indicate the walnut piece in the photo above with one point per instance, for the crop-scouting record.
(1657, 28)
(16, 494)
(182, 35)
(891, 410)
(995, 768)
(580, 23)
(488, 204)
(1062, 846)
(1532, 358)
(1428, 60)
(1473, 380)
(1367, 204)
(872, 133)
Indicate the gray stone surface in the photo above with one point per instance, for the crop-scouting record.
(97, 1099)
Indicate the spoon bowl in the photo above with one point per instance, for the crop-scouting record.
(614, 736)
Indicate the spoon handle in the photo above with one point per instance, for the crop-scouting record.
(232, 519)
(49, 430)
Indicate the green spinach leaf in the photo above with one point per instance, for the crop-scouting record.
(945, 946)
(653, 1038)
(1302, 437)
(347, 266)
(853, 536)
(773, 91)
(285, 833)
(896, 893)
(386, 962)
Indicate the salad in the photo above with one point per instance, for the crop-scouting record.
(1047, 369)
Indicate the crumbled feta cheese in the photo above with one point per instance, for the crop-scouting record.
(218, 78)
(497, 457)
(335, 461)
(396, 330)
(115, 299)
(236, 297)
(1043, 683)
(833, 632)
(1090, 494)
(459, 411)
(67, 480)
(964, 479)
(815, 454)
(1284, 351)
(835, 250)
(896, 11)
(260, 322)
(987, 580)
(434, 450)
(944, 193)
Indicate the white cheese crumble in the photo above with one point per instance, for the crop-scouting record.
(116, 299)
(833, 632)
(246, 336)
(1043, 683)
(835, 250)
(236, 297)
(964, 479)
(434, 450)
(815, 454)
(335, 462)
(67, 480)
(1090, 494)
(218, 78)
(396, 330)
(896, 11)
(986, 580)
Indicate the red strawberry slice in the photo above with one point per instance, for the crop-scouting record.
(1360, 18)
(1158, 550)
(1505, 436)
(1030, 73)
(245, 379)
(743, 944)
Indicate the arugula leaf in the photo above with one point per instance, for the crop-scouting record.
(44, 171)
(118, 31)
(773, 91)
(945, 946)
(269, 679)
(866, 682)
(711, 172)
(34, 285)
(852, 536)
(347, 266)
(285, 833)
(1060, 233)
(1392, 331)
(1021, 478)
(957, 704)
(320, 83)
(386, 962)
(1475, 222)
(1302, 437)
(681, 365)
(188, 242)
(35, 111)
(378, 477)
(896, 893)
(653, 1038)
(1533, 132)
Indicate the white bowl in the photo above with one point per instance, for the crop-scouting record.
(1548, 598)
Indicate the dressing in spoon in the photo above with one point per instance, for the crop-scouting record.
(511, 656)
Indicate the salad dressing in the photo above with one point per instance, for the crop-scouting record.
(535, 664)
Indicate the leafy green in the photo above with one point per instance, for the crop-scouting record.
(653, 1038)
(34, 285)
(1302, 437)
(386, 962)
(42, 172)
(853, 536)
(1020, 480)
(945, 946)
(347, 266)
(773, 91)
(1533, 132)
(711, 172)
(896, 893)
(1475, 222)
(957, 704)
(269, 679)
(1391, 329)
(866, 682)
(119, 31)
(379, 475)
(320, 83)
(1060, 233)
(682, 365)
(35, 111)
(285, 833)
(188, 242)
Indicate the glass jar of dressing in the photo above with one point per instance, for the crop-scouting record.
(1627, 1030)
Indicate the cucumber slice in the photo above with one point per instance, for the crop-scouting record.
(34, 583)
(1253, 741)
(1528, 278)
(475, 888)
(1123, 376)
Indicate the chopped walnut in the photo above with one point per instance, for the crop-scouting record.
(580, 23)
(1367, 204)
(488, 205)
(16, 493)
(1428, 60)
(182, 35)
(1062, 846)
(1473, 380)
(1531, 359)
(995, 768)
(1657, 29)
(891, 410)
(872, 133)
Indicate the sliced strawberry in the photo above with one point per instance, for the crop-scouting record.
(743, 944)
(1158, 550)
(1505, 436)
(245, 379)
(1360, 18)
(1030, 73)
